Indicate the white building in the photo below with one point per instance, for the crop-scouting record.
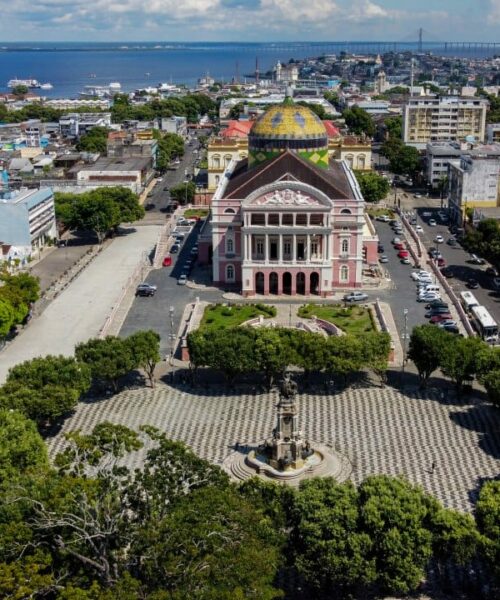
(447, 118)
(74, 125)
(438, 156)
(473, 183)
(27, 221)
(174, 124)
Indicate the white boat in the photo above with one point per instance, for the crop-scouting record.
(29, 83)
(46, 86)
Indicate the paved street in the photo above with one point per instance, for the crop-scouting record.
(79, 312)
(379, 429)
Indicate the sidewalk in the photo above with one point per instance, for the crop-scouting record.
(80, 311)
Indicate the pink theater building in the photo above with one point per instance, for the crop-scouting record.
(287, 221)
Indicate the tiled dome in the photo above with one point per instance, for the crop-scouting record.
(288, 126)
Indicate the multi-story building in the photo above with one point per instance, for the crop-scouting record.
(447, 118)
(74, 125)
(493, 132)
(27, 221)
(121, 144)
(174, 124)
(438, 156)
(287, 220)
(473, 183)
(134, 173)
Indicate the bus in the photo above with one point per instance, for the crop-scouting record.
(468, 300)
(485, 324)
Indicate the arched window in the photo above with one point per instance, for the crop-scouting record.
(361, 161)
(229, 245)
(227, 160)
(217, 179)
(345, 211)
(229, 211)
(229, 273)
(345, 246)
(350, 160)
(216, 162)
(344, 273)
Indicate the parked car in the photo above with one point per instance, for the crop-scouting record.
(441, 262)
(428, 297)
(439, 239)
(145, 289)
(355, 297)
(491, 272)
(405, 261)
(396, 240)
(440, 318)
(182, 279)
(150, 206)
(380, 248)
(496, 283)
(419, 229)
(447, 323)
(194, 250)
(437, 310)
(383, 218)
(175, 248)
(451, 328)
(436, 304)
(399, 246)
(416, 275)
(476, 260)
(167, 261)
(383, 259)
(472, 283)
(452, 242)
(403, 254)
(432, 223)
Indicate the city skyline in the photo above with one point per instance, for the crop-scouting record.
(248, 20)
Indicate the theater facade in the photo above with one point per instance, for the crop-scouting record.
(287, 220)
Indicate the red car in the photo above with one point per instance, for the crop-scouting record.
(441, 262)
(167, 261)
(441, 317)
(399, 246)
(403, 254)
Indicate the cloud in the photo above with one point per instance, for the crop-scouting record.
(494, 14)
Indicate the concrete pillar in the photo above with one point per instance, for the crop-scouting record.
(294, 246)
(266, 284)
(266, 252)
(307, 289)
(280, 248)
(308, 248)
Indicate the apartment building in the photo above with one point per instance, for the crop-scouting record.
(74, 125)
(473, 183)
(27, 220)
(447, 118)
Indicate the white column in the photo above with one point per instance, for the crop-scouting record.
(308, 247)
(280, 248)
(266, 255)
(294, 245)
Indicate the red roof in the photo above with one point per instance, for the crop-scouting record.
(331, 130)
(237, 129)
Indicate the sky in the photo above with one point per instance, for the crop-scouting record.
(248, 20)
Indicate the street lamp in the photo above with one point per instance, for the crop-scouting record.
(172, 335)
(405, 336)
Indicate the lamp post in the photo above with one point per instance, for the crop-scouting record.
(405, 336)
(171, 336)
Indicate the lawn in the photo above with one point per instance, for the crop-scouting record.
(218, 316)
(351, 319)
(196, 212)
(378, 212)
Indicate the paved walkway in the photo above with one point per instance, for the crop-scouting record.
(80, 311)
(380, 429)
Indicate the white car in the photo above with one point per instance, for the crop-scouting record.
(424, 278)
(182, 280)
(419, 229)
(428, 297)
(417, 274)
(396, 240)
(383, 218)
(383, 259)
(439, 239)
(432, 222)
(424, 283)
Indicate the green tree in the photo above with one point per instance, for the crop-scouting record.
(6, 317)
(20, 90)
(373, 186)
(394, 126)
(310, 350)
(145, 348)
(183, 193)
(271, 353)
(25, 284)
(108, 359)
(455, 537)
(460, 360)
(427, 346)
(94, 141)
(488, 524)
(21, 447)
(316, 109)
(45, 389)
(403, 160)
(359, 121)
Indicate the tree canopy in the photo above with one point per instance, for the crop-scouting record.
(373, 186)
(403, 159)
(359, 121)
(94, 141)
